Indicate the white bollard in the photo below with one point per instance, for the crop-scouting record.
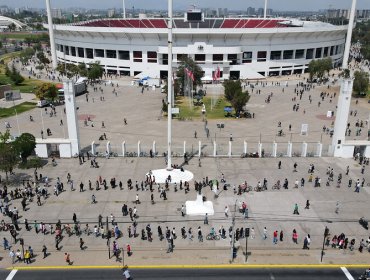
(93, 148)
(304, 149)
(214, 148)
(245, 148)
(184, 147)
(154, 148)
(289, 150)
(274, 149)
(138, 149)
(124, 148)
(319, 150)
(230, 147)
(200, 149)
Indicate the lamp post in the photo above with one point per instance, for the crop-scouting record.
(326, 234)
(16, 115)
(169, 90)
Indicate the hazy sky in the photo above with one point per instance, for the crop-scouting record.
(305, 5)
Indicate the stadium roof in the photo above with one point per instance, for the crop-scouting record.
(6, 21)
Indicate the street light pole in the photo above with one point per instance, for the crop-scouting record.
(233, 233)
(326, 233)
(169, 90)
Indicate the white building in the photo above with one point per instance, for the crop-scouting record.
(246, 48)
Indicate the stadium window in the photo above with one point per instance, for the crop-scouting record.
(99, 53)
(332, 48)
(318, 53)
(261, 56)
(165, 59)
(73, 51)
(111, 53)
(152, 57)
(336, 49)
(199, 58)
(66, 50)
(326, 51)
(181, 56)
(80, 52)
(89, 53)
(288, 54)
(138, 56)
(299, 54)
(309, 54)
(247, 57)
(233, 58)
(218, 57)
(275, 55)
(124, 55)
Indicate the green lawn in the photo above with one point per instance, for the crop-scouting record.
(23, 107)
(217, 111)
(19, 36)
(27, 86)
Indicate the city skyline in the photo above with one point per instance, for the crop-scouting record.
(283, 5)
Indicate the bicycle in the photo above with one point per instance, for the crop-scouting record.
(213, 237)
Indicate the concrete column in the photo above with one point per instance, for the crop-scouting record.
(274, 149)
(349, 36)
(108, 147)
(259, 147)
(199, 148)
(304, 149)
(245, 148)
(265, 10)
(138, 149)
(341, 118)
(214, 148)
(93, 148)
(319, 149)
(184, 147)
(51, 35)
(71, 115)
(230, 149)
(289, 150)
(154, 148)
(124, 148)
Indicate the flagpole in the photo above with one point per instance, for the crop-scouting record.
(169, 91)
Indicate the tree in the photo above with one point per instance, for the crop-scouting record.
(82, 69)
(361, 83)
(25, 145)
(318, 68)
(46, 91)
(15, 76)
(8, 155)
(235, 95)
(190, 64)
(12, 27)
(95, 71)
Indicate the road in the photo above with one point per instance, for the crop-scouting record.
(179, 274)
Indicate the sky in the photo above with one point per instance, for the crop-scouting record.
(283, 5)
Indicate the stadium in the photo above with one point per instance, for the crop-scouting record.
(241, 48)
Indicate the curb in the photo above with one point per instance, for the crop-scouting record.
(221, 266)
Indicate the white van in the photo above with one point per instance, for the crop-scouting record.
(42, 103)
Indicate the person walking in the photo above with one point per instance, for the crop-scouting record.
(226, 211)
(281, 236)
(44, 251)
(295, 211)
(200, 235)
(128, 250)
(264, 236)
(6, 244)
(182, 210)
(126, 273)
(67, 258)
(206, 219)
(82, 244)
(275, 237)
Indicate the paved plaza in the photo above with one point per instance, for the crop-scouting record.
(272, 209)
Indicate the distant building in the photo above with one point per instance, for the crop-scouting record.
(344, 13)
(251, 11)
(56, 13)
(111, 12)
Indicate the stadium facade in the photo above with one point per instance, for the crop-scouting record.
(245, 48)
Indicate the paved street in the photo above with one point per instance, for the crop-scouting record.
(185, 274)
